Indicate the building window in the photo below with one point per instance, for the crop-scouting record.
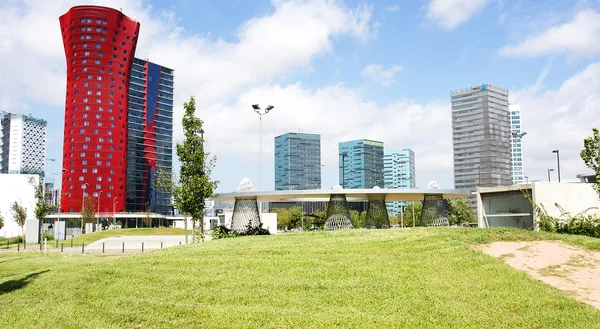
(84, 170)
(98, 147)
(95, 170)
(84, 162)
(81, 178)
(98, 186)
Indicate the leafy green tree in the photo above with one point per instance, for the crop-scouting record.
(19, 213)
(362, 218)
(43, 197)
(295, 216)
(88, 214)
(195, 185)
(461, 211)
(355, 218)
(317, 220)
(284, 220)
(591, 155)
(1, 220)
(408, 217)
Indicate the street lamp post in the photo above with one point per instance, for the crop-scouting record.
(549, 170)
(83, 187)
(98, 213)
(260, 112)
(558, 163)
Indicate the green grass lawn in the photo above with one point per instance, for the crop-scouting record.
(412, 278)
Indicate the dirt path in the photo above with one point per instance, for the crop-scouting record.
(563, 266)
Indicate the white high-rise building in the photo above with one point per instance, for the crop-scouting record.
(399, 172)
(22, 144)
(516, 143)
(481, 137)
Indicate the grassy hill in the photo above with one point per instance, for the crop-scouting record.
(353, 279)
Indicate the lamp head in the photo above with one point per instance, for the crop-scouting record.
(523, 133)
(269, 108)
(555, 151)
(550, 169)
(256, 107)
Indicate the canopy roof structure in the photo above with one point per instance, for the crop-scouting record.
(351, 195)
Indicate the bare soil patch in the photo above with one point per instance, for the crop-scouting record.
(563, 266)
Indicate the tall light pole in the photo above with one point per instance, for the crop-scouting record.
(98, 213)
(261, 112)
(549, 170)
(558, 163)
(83, 187)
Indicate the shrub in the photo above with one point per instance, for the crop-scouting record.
(222, 232)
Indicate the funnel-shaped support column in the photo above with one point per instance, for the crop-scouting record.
(377, 215)
(245, 213)
(435, 211)
(338, 215)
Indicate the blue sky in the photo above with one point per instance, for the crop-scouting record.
(347, 70)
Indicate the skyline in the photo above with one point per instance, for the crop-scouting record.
(373, 70)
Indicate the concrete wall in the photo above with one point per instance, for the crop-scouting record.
(13, 188)
(573, 197)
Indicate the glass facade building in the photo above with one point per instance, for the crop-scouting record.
(399, 172)
(150, 136)
(361, 164)
(481, 136)
(516, 144)
(297, 162)
(22, 144)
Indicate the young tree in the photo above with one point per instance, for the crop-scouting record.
(408, 217)
(591, 155)
(195, 185)
(43, 197)
(88, 215)
(1, 220)
(295, 216)
(284, 220)
(19, 213)
(461, 211)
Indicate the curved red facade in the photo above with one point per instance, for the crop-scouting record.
(99, 47)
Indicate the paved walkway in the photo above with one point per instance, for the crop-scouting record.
(120, 244)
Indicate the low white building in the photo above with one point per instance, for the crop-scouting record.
(507, 206)
(17, 188)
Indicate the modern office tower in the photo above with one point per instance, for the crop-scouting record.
(99, 46)
(399, 172)
(361, 164)
(149, 136)
(297, 162)
(22, 144)
(481, 137)
(516, 143)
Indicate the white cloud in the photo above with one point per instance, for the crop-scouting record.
(392, 9)
(451, 13)
(378, 74)
(580, 37)
(559, 119)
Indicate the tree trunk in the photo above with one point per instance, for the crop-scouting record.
(23, 233)
(193, 230)
(186, 229)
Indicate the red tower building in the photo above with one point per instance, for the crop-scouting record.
(99, 47)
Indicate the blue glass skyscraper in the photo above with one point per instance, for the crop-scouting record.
(149, 135)
(297, 162)
(399, 170)
(361, 164)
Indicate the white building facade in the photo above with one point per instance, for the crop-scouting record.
(399, 172)
(516, 148)
(22, 144)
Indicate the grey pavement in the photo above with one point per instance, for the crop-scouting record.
(133, 243)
